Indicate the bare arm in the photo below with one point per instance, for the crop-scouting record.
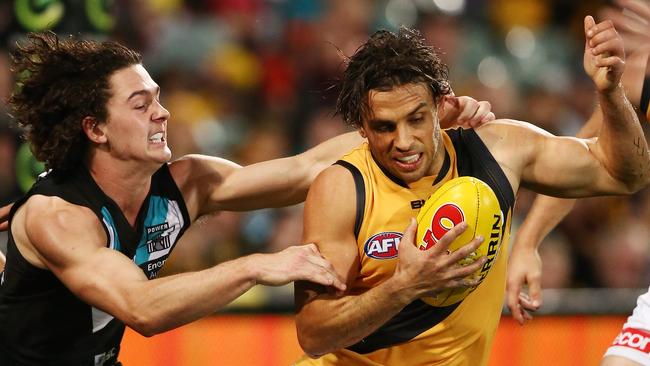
(327, 321)
(616, 162)
(212, 184)
(72, 246)
(3, 260)
(524, 265)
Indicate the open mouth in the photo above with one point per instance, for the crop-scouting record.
(408, 162)
(157, 138)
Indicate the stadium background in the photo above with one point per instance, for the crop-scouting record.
(251, 80)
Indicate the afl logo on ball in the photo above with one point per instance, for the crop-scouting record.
(383, 245)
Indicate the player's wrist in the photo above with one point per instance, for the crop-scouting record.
(400, 289)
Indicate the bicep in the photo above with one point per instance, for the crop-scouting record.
(72, 247)
(329, 218)
(567, 167)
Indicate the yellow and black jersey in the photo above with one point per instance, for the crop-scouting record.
(460, 334)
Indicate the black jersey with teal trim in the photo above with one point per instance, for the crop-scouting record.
(41, 321)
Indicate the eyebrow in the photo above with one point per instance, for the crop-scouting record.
(143, 92)
(414, 111)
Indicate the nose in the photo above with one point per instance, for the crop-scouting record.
(161, 114)
(403, 138)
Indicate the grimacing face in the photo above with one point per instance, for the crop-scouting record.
(136, 127)
(403, 131)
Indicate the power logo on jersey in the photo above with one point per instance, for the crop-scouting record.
(633, 338)
(158, 237)
(383, 245)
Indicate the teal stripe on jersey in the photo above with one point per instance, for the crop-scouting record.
(114, 239)
(156, 224)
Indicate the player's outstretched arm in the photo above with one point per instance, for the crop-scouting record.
(327, 320)
(524, 267)
(621, 145)
(70, 241)
(632, 20)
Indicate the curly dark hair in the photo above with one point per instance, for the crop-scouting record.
(385, 61)
(59, 83)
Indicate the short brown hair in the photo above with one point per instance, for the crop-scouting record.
(385, 61)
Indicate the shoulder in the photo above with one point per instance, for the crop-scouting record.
(510, 126)
(49, 214)
(511, 135)
(53, 226)
(196, 172)
(334, 182)
(198, 167)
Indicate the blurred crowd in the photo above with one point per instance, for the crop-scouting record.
(251, 80)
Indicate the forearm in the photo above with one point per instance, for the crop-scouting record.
(329, 323)
(3, 260)
(622, 141)
(544, 215)
(166, 303)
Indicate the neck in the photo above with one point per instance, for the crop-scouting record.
(439, 156)
(126, 184)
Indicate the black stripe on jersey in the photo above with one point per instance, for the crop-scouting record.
(414, 319)
(645, 96)
(361, 194)
(474, 159)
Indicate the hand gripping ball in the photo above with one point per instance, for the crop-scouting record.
(461, 199)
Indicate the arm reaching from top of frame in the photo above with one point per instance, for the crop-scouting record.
(525, 267)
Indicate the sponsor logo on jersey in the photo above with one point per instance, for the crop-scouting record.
(633, 338)
(382, 245)
(106, 358)
(158, 237)
(417, 204)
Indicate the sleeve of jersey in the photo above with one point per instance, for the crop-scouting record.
(633, 342)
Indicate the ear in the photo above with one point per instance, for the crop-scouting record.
(94, 130)
(362, 132)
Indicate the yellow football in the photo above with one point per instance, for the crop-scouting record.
(461, 199)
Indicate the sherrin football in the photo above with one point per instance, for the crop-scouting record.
(461, 199)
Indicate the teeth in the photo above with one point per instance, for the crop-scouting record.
(157, 137)
(409, 159)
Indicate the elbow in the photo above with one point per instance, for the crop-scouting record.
(636, 182)
(145, 325)
(312, 344)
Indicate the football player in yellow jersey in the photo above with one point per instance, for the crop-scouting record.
(355, 209)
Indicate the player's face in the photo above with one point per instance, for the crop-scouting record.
(136, 128)
(403, 131)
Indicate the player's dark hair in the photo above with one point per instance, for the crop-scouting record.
(59, 83)
(385, 61)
